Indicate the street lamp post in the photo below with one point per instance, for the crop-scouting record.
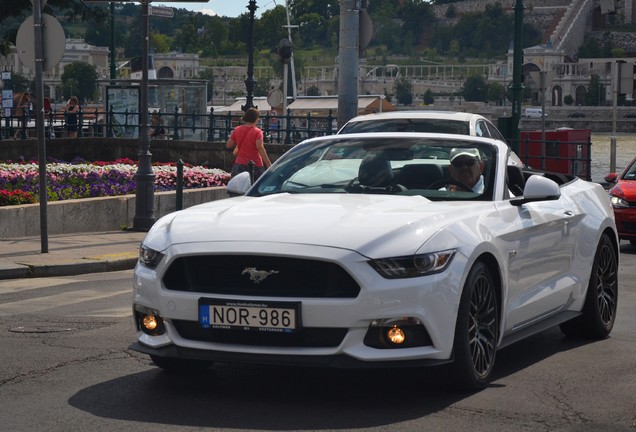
(144, 177)
(249, 82)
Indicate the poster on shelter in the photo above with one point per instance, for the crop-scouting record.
(7, 102)
(123, 104)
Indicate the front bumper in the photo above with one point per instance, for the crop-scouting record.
(330, 361)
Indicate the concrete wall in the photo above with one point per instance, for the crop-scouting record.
(93, 214)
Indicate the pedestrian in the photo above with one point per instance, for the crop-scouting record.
(246, 141)
(72, 108)
(21, 111)
(156, 126)
(48, 109)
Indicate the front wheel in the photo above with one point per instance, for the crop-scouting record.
(477, 330)
(601, 300)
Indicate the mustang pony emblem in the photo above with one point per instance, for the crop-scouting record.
(257, 276)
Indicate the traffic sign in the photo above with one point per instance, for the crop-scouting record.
(54, 42)
(150, 1)
(158, 11)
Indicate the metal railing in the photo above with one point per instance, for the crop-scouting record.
(565, 157)
(279, 129)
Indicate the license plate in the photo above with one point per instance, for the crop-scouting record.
(282, 317)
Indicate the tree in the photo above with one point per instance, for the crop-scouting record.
(429, 99)
(270, 27)
(160, 42)
(72, 10)
(495, 92)
(474, 89)
(312, 91)
(18, 83)
(404, 91)
(81, 76)
(568, 100)
(595, 95)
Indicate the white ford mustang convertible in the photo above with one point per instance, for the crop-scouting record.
(379, 250)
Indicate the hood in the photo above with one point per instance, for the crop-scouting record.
(629, 189)
(364, 223)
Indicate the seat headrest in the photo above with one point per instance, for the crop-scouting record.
(375, 172)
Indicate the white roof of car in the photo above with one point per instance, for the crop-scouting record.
(443, 115)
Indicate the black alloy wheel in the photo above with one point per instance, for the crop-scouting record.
(601, 300)
(477, 330)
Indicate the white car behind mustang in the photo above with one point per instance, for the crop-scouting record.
(360, 250)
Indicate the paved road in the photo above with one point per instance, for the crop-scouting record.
(66, 366)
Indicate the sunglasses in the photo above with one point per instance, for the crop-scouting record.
(463, 163)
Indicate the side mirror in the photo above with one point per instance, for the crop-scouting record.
(611, 178)
(239, 184)
(538, 188)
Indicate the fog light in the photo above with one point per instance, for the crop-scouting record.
(396, 335)
(151, 323)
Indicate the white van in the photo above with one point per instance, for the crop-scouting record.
(533, 113)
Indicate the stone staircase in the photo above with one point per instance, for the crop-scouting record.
(570, 32)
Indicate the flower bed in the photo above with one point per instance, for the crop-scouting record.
(20, 184)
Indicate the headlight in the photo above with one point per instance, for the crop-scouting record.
(149, 257)
(414, 265)
(618, 202)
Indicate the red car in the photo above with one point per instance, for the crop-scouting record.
(623, 198)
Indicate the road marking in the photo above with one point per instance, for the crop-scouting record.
(17, 285)
(49, 302)
(115, 312)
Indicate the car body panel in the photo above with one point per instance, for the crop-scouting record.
(625, 213)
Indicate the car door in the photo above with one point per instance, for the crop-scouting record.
(539, 238)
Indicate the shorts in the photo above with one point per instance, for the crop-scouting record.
(239, 168)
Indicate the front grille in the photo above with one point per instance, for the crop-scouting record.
(306, 337)
(288, 277)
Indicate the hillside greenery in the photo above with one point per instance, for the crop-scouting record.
(401, 28)
(404, 32)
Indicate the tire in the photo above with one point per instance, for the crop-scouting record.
(477, 331)
(180, 366)
(601, 299)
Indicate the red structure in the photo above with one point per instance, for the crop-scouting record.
(565, 150)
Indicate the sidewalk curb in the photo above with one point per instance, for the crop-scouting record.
(68, 268)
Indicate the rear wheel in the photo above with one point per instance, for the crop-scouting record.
(601, 300)
(477, 330)
(180, 366)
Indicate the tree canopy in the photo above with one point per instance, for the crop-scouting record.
(406, 27)
(13, 13)
(79, 79)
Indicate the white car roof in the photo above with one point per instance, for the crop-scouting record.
(443, 115)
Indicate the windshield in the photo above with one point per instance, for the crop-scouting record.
(384, 165)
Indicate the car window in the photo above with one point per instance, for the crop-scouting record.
(379, 165)
(494, 132)
(630, 173)
(408, 125)
(481, 130)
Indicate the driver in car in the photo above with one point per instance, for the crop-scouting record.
(466, 168)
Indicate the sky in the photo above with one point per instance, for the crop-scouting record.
(229, 8)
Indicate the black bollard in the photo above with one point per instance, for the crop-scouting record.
(179, 194)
